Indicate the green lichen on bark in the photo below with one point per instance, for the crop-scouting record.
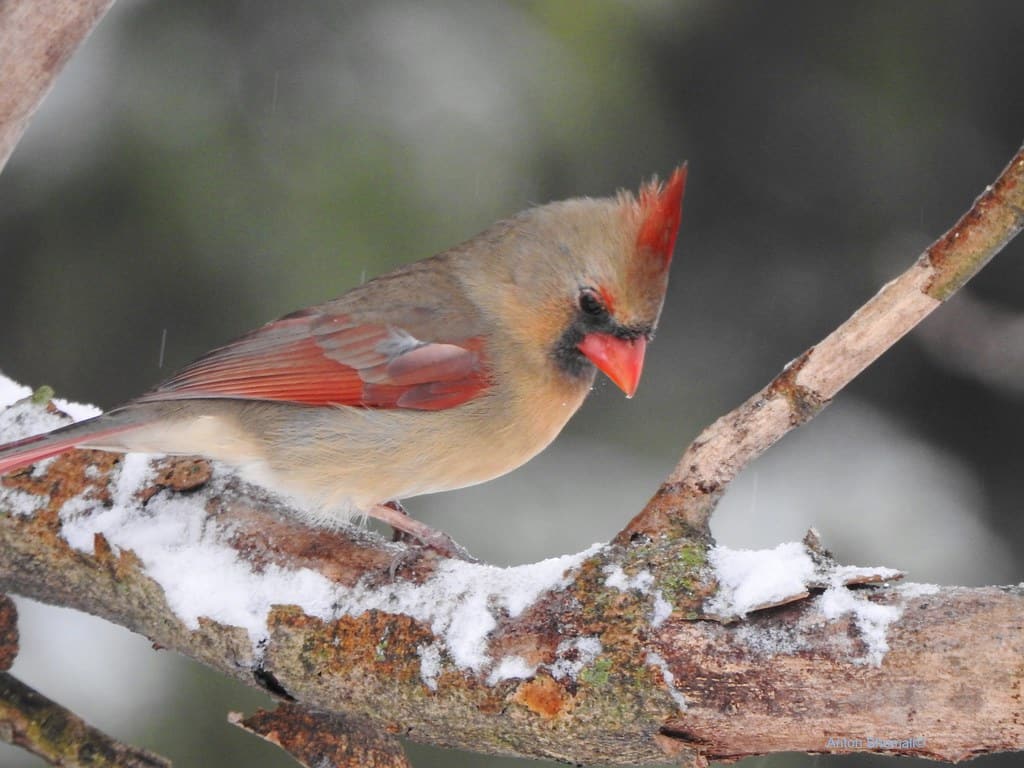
(43, 395)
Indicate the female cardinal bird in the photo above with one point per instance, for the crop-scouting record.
(444, 373)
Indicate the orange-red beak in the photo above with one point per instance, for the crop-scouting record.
(621, 360)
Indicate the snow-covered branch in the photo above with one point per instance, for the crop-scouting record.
(623, 654)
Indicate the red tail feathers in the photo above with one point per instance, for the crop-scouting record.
(29, 450)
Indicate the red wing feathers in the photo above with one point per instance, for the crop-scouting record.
(310, 358)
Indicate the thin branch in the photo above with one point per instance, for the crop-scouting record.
(45, 728)
(37, 37)
(686, 499)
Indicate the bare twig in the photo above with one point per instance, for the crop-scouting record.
(37, 38)
(685, 501)
(45, 728)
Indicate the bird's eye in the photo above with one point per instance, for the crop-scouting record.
(591, 304)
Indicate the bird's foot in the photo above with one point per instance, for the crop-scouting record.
(397, 534)
(407, 528)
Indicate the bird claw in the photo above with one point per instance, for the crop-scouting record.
(444, 545)
(440, 543)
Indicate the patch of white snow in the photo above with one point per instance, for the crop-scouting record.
(656, 660)
(11, 391)
(199, 573)
(462, 601)
(850, 574)
(618, 579)
(511, 668)
(872, 619)
(912, 590)
(661, 610)
(77, 411)
(430, 664)
(573, 655)
(748, 579)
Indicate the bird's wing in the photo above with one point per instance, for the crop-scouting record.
(323, 356)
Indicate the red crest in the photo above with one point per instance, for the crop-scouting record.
(660, 212)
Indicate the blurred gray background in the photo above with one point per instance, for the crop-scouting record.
(201, 168)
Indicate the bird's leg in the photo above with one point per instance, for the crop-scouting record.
(397, 534)
(394, 515)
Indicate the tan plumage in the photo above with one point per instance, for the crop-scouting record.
(444, 373)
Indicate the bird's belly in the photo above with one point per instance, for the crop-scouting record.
(352, 459)
(339, 462)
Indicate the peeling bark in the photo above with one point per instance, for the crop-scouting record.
(8, 633)
(320, 740)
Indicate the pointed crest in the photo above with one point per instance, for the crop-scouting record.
(660, 212)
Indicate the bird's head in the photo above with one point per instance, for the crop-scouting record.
(590, 278)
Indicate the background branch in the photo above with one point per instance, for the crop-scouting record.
(685, 501)
(45, 728)
(37, 37)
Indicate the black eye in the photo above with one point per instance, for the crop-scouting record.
(591, 304)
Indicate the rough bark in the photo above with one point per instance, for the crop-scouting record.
(687, 688)
(316, 738)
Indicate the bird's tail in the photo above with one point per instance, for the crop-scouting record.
(29, 450)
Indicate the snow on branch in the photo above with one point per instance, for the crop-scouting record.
(624, 654)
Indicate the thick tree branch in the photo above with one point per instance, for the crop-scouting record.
(617, 663)
(685, 501)
(37, 37)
